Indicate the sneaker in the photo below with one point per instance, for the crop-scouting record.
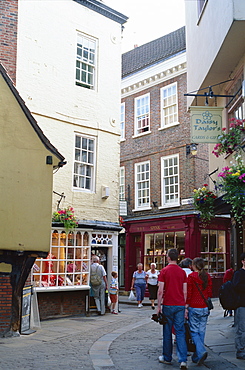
(161, 359)
(240, 357)
(203, 358)
(183, 365)
(139, 305)
(115, 313)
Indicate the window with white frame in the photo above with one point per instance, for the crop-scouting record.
(122, 184)
(67, 264)
(142, 114)
(122, 121)
(142, 185)
(85, 61)
(169, 104)
(170, 181)
(84, 163)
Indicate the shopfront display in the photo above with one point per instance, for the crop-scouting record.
(148, 240)
(68, 261)
(213, 250)
(157, 245)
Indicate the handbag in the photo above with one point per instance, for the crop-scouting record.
(191, 347)
(208, 301)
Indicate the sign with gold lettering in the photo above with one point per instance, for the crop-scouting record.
(206, 124)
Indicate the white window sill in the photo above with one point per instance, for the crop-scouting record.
(83, 190)
(169, 205)
(141, 209)
(143, 134)
(121, 140)
(168, 126)
(61, 288)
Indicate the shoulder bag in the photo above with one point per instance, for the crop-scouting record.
(208, 301)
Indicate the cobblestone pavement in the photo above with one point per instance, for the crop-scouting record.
(129, 340)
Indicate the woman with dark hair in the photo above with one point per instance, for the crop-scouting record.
(199, 289)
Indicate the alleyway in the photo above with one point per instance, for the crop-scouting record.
(126, 341)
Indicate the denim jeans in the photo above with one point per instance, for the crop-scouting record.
(240, 331)
(176, 318)
(140, 291)
(198, 318)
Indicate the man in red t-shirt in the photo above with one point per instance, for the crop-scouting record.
(172, 291)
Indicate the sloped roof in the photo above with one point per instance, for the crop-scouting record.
(104, 10)
(29, 116)
(153, 52)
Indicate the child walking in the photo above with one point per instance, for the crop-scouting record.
(113, 292)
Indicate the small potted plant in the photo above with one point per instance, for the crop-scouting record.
(67, 217)
(204, 202)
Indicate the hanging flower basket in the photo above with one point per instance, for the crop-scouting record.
(66, 216)
(204, 203)
(232, 184)
(230, 141)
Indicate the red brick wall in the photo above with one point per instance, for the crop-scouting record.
(5, 303)
(160, 143)
(8, 35)
(61, 303)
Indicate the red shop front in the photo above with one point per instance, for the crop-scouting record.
(148, 240)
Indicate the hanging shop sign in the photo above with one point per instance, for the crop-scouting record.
(206, 124)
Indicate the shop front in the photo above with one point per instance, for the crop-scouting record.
(61, 280)
(148, 240)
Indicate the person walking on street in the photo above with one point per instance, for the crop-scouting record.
(239, 286)
(172, 292)
(152, 276)
(228, 276)
(139, 283)
(98, 283)
(186, 265)
(199, 289)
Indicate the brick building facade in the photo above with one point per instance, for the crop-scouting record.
(8, 41)
(158, 170)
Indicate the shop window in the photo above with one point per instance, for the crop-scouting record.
(99, 238)
(157, 246)
(142, 115)
(67, 264)
(213, 250)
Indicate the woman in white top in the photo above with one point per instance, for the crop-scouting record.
(152, 276)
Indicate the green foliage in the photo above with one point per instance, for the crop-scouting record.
(232, 183)
(204, 202)
(231, 140)
(66, 216)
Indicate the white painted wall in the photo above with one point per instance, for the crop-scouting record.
(47, 38)
(206, 35)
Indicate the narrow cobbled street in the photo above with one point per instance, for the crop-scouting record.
(129, 340)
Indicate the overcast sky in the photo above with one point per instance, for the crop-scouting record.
(148, 20)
